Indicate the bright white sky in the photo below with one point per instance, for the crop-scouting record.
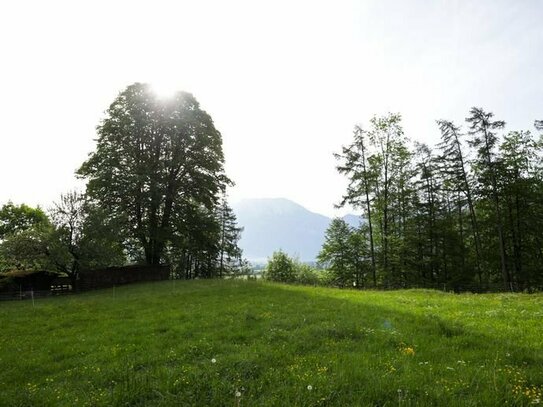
(285, 81)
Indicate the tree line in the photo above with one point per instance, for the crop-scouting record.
(155, 193)
(467, 213)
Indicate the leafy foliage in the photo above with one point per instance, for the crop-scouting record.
(466, 220)
(83, 237)
(158, 171)
(18, 218)
(280, 268)
(78, 235)
(305, 274)
(26, 250)
(344, 253)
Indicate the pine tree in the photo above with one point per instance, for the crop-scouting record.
(230, 254)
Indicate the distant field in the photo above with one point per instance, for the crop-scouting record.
(246, 343)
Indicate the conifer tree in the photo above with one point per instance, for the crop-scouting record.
(455, 170)
(484, 139)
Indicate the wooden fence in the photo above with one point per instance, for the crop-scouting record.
(28, 286)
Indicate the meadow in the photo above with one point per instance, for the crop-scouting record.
(252, 343)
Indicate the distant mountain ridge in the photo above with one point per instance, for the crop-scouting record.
(271, 224)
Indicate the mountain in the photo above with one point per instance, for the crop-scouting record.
(352, 220)
(273, 224)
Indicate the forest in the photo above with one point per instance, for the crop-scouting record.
(464, 215)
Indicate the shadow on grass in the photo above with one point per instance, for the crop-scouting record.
(450, 333)
(273, 341)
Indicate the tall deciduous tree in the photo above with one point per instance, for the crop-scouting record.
(361, 188)
(154, 160)
(377, 164)
(387, 139)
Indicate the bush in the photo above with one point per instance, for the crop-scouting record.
(327, 278)
(285, 269)
(305, 274)
(280, 268)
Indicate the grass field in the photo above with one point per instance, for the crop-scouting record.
(246, 343)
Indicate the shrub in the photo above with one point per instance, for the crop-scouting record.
(280, 268)
(305, 274)
(327, 278)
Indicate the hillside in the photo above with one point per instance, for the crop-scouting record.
(247, 343)
(272, 224)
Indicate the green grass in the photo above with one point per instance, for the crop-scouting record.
(154, 344)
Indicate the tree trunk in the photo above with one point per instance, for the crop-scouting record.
(498, 215)
(368, 211)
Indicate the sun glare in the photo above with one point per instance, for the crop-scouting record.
(164, 90)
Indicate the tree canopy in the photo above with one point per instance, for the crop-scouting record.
(465, 217)
(17, 218)
(76, 235)
(345, 253)
(158, 169)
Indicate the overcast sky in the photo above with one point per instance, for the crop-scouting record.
(285, 81)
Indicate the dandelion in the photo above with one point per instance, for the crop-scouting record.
(238, 393)
(309, 387)
(407, 350)
(213, 360)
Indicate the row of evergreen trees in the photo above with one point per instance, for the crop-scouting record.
(467, 214)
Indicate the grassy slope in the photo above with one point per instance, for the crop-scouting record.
(153, 344)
